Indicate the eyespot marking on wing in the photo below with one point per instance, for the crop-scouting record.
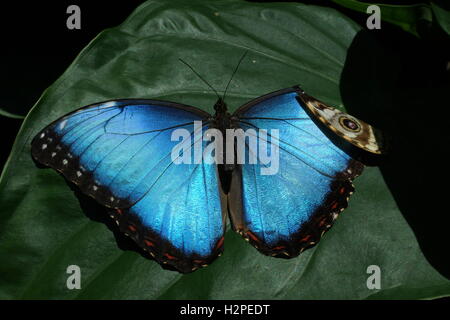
(353, 130)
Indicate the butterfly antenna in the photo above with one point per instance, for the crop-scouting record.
(234, 72)
(200, 77)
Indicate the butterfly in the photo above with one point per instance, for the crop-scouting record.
(120, 152)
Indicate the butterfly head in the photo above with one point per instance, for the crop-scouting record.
(220, 107)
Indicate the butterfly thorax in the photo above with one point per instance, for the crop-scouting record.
(222, 121)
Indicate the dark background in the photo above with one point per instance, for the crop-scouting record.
(37, 48)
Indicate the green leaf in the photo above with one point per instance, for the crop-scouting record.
(7, 114)
(45, 226)
(406, 17)
(442, 16)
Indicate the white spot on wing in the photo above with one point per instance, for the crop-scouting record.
(108, 104)
(53, 154)
(44, 146)
(79, 174)
(42, 135)
(62, 124)
(65, 162)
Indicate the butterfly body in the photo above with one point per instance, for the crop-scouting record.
(223, 120)
(120, 153)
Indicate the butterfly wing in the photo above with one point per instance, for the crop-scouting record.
(287, 210)
(352, 130)
(120, 153)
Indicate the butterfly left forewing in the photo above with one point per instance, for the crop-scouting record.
(120, 153)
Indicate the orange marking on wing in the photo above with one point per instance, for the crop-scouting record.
(132, 228)
(199, 261)
(170, 257)
(322, 222)
(251, 235)
(305, 238)
(334, 206)
(119, 211)
(219, 243)
(279, 248)
(341, 191)
(148, 243)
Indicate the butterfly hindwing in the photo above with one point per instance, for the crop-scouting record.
(119, 153)
(288, 210)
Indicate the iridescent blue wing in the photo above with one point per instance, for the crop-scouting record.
(119, 153)
(288, 208)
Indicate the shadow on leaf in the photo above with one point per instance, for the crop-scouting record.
(400, 89)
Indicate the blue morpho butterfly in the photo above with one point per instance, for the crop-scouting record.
(119, 153)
